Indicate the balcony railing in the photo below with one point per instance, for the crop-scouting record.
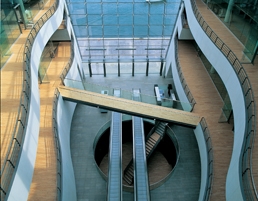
(209, 149)
(68, 65)
(182, 79)
(14, 150)
(249, 188)
(58, 148)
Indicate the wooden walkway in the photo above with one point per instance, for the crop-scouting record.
(44, 180)
(222, 139)
(131, 107)
(44, 185)
(208, 105)
(11, 88)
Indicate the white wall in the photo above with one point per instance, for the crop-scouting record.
(204, 159)
(170, 61)
(65, 112)
(232, 84)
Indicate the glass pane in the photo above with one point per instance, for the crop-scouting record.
(110, 20)
(77, 8)
(172, 8)
(81, 31)
(126, 68)
(141, 31)
(140, 19)
(79, 20)
(125, 31)
(94, 20)
(154, 67)
(9, 32)
(156, 31)
(168, 31)
(141, 8)
(170, 19)
(156, 19)
(95, 31)
(97, 68)
(157, 8)
(111, 68)
(140, 68)
(111, 31)
(252, 43)
(125, 20)
(125, 9)
(93, 8)
(110, 8)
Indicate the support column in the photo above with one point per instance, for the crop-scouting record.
(229, 11)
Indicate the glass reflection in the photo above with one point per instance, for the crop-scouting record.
(241, 17)
(126, 30)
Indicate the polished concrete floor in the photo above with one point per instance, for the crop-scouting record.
(182, 184)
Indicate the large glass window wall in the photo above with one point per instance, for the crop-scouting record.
(241, 17)
(15, 16)
(33, 7)
(125, 32)
(10, 30)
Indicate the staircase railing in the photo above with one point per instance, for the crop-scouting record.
(249, 188)
(146, 139)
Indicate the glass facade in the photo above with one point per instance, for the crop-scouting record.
(15, 16)
(241, 17)
(32, 7)
(10, 30)
(123, 31)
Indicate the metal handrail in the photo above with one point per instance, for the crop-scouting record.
(249, 189)
(58, 147)
(69, 64)
(182, 79)
(209, 149)
(14, 150)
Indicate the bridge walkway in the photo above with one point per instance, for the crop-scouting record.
(130, 107)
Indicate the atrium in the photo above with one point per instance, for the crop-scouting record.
(129, 100)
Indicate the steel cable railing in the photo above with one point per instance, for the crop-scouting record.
(249, 188)
(182, 79)
(14, 150)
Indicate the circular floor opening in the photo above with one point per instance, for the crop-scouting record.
(160, 164)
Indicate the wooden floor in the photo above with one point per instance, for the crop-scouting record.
(11, 87)
(43, 185)
(208, 105)
(130, 107)
(221, 139)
